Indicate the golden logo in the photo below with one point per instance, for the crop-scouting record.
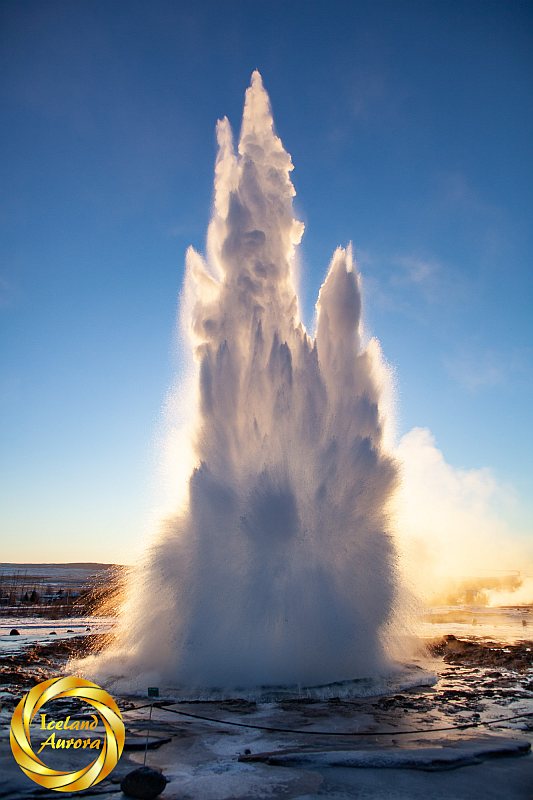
(110, 748)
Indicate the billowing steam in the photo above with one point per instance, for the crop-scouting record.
(452, 528)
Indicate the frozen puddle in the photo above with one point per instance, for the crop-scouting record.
(449, 756)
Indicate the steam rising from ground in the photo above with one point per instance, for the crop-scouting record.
(279, 567)
(456, 543)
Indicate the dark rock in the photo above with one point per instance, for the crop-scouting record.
(141, 742)
(53, 633)
(69, 630)
(14, 632)
(143, 783)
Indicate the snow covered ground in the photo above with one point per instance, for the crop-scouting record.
(39, 629)
(366, 747)
(351, 747)
(212, 761)
(500, 623)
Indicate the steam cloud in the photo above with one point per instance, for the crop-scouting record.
(456, 544)
(279, 567)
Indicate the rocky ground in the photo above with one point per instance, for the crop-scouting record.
(426, 741)
(481, 653)
(22, 670)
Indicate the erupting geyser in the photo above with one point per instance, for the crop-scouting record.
(280, 568)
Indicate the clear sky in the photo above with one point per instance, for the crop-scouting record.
(410, 125)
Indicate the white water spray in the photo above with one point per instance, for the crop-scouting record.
(280, 568)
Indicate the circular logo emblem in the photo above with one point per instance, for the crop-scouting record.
(76, 732)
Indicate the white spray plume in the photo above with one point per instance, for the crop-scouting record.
(279, 568)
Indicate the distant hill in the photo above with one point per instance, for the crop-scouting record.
(71, 574)
(63, 588)
(11, 565)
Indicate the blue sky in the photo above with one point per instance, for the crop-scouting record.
(410, 126)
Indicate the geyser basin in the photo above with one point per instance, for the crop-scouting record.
(280, 568)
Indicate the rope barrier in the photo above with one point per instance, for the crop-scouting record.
(463, 726)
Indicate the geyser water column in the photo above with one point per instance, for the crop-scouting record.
(280, 568)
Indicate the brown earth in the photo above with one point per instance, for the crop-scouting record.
(20, 671)
(518, 656)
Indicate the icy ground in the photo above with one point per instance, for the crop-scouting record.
(213, 761)
(33, 630)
